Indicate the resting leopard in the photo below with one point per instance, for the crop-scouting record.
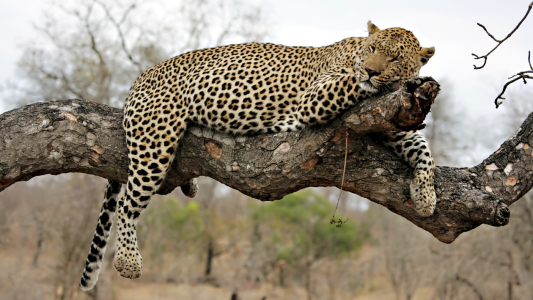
(250, 89)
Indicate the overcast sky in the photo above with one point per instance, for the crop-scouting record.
(450, 26)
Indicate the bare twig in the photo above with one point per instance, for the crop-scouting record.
(120, 33)
(103, 93)
(470, 285)
(484, 28)
(498, 41)
(520, 75)
(62, 77)
(343, 173)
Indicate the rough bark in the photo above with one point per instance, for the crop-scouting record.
(82, 136)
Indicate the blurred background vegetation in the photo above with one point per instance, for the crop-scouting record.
(222, 243)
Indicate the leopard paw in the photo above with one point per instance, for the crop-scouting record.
(190, 188)
(128, 262)
(424, 198)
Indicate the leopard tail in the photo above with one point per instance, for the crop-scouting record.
(101, 237)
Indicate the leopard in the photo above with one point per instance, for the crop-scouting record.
(252, 88)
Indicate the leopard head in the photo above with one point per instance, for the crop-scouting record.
(388, 58)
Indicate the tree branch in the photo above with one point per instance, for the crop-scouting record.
(120, 33)
(485, 57)
(81, 136)
(470, 285)
(521, 75)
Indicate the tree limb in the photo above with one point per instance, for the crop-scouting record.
(81, 136)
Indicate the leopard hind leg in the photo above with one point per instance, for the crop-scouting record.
(144, 180)
(150, 155)
(93, 264)
(413, 148)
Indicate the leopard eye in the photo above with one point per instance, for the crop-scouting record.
(394, 59)
(372, 49)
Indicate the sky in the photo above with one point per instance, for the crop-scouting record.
(450, 26)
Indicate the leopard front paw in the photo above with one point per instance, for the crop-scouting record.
(128, 263)
(424, 198)
(190, 188)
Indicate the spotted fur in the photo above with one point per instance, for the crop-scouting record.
(248, 89)
(413, 148)
(101, 236)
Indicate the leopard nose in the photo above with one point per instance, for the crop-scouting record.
(372, 72)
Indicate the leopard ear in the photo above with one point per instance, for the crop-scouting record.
(372, 28)
(426, 54)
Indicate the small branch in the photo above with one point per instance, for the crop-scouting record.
(101, 61)
(484, 28)
(470, 285)
(485, 57)
(521, 75)
(63, 78)
(120, 33)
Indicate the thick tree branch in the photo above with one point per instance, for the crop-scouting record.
(81, 136)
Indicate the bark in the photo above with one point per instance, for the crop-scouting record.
(82, 136)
